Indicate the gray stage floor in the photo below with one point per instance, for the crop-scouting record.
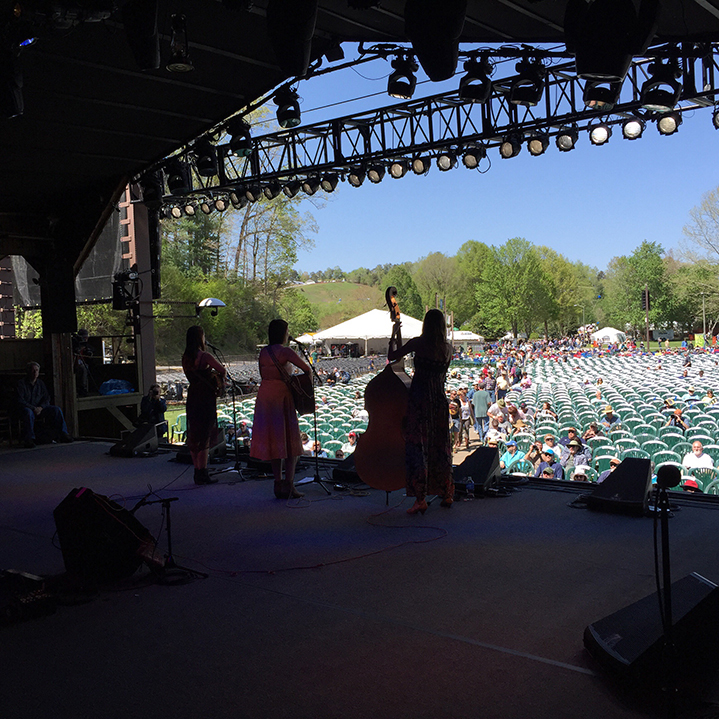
(328, 606)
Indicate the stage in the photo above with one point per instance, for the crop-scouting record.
(330, 606)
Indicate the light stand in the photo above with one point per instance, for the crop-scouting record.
(316, 478)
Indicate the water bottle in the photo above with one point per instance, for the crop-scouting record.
(469, 486)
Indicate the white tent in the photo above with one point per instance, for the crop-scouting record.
(464, 336)
(370, 330)
(608, 335)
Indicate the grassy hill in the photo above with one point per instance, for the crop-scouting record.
(335, 302)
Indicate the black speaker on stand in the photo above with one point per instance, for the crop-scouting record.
(482, 466)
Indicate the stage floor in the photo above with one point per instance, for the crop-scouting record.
(330, 606)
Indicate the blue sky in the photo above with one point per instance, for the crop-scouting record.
(590, 204)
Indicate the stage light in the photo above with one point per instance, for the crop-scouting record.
(601, 95)
(272, 189)
(375, 173)
(240, 138)
(253, 192)
(179, 47)
(599, 134)
(310, 185)
(176, 212)
(398, 168)
(205, 207)
(179, 181)
(220, 204)
(209, 302)
(510, 146)
(292, 188)
(329, 182)
(206, 162)
(669, 122)
(238, 201)
(151, 186)
(476, 86)
(528, 86)
(660, 93)
(190, 209)
(567, 139)
(715, 119)
(402, 81)
(356, 176)
(633, 128)
(473, 156)
(421, 165)
(446, 160)
(538, 144)
(288, 107)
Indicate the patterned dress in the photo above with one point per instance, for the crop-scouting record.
(427, 442)
(275, 429)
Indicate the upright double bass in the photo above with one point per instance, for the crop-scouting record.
(380, 454)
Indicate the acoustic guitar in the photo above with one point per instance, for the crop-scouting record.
(380, 454)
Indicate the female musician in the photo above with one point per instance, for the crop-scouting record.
(275, 430)
(202, 431)
(428, 453)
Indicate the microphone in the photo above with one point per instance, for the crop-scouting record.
(211, 346)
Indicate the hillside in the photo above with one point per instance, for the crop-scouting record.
(335, 302)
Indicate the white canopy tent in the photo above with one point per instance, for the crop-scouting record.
(370, 330)
(464, 336)
(608, 335)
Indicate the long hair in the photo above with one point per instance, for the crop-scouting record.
(194, 342)
(276, 332)
(434, 329)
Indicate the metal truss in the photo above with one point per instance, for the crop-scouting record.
(427, 126)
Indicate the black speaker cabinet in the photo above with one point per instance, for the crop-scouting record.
(630, 641)
(141, 439)
(482, 466)
(217, 452)
(345, 471)
(99, 539)
(626, 490)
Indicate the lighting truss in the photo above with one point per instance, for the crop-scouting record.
(431, 126)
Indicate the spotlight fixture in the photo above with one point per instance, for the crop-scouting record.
(446, 160)
(220, 204)
(567, 139)
(288, 107)
(272, 189)
(715, 119)
(601, 95)
(600, 134)
(473, 156)
(632, 128)
(176, 212)
(528, 86)
(240, 138)
(206, 162)
(421, 165)
(398, 168)
(238, 201)
(329, 182)
(310, 185)
(538, 144)
(356, 176)
(402, 81)
(205, 207)
(511, 146)
(151, 186)
(292, 188)
(179, 58)
(179, 181)
(375, 173)
(476, 86)
(661, 91)
(669, 122)
(253, 192)
(190, 209)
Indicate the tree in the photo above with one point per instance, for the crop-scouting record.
(471, 258)
(435, 277)
(702, 232)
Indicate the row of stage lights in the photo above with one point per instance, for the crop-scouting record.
(470, 156)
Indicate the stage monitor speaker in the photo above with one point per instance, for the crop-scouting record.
(482, 466)
(630, 642)
(133, 442)
(626, 490)
(345, 471)
(217, 452)
(99, 539)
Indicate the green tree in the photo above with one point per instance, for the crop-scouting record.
(471, 259)
(410, 303)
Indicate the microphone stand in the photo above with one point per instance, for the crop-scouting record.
(318, 381)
